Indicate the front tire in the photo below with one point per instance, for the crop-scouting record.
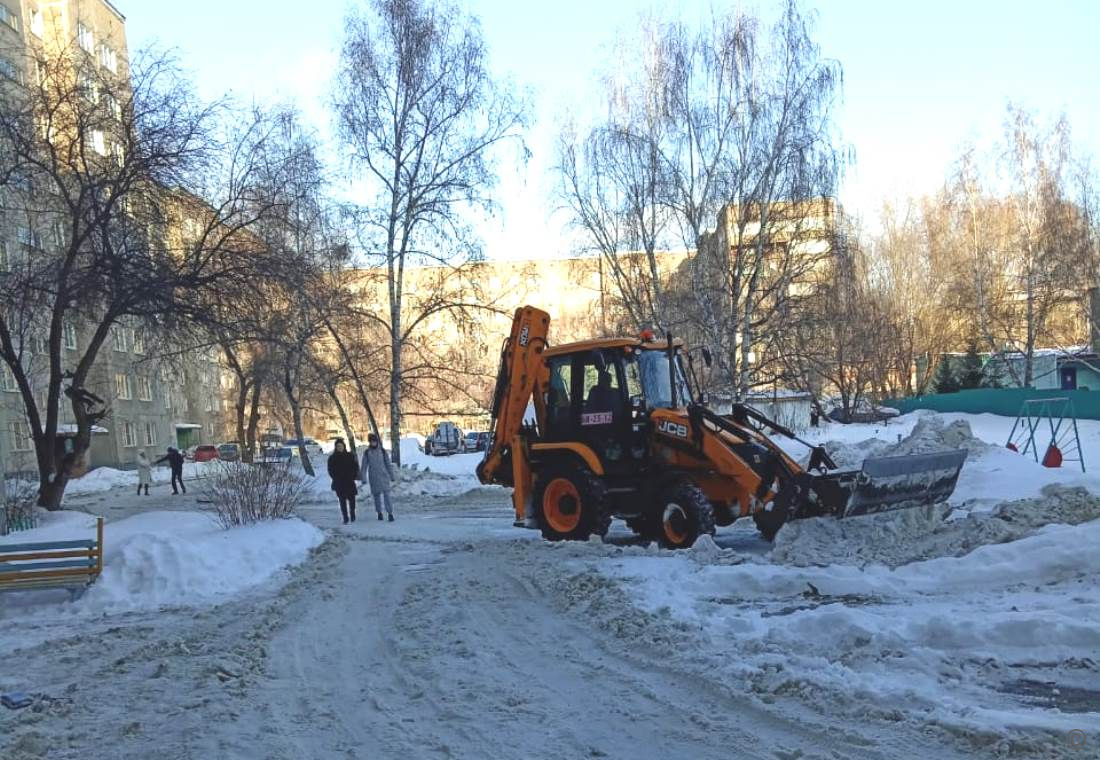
(570, 504)
(684, 514)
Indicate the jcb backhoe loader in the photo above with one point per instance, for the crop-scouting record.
(588, 431)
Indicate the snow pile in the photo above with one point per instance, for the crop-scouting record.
(183, 558)
(161, 559)
(107, 478)
(909, 535)
(929, 434)
(946, 638)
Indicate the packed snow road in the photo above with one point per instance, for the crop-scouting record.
(419, 645)
(446, 634)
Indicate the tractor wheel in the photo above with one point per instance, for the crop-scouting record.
(684, 514)
(570, 504)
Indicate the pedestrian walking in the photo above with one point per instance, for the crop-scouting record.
(342, 468)
(175, 461)
(375, 470)
(144, 472)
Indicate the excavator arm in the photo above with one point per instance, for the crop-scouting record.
(521, 373)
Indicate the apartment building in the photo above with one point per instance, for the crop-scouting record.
(153, 403)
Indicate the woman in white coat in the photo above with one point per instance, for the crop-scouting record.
(144, 472)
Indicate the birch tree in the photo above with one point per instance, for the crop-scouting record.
(422, 119)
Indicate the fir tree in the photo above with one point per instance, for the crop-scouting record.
(970, 374)
(945, 380)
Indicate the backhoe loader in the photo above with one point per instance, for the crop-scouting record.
(588, 431)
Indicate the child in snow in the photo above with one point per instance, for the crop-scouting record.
(144, 472)
(375, 470)
(342, 468)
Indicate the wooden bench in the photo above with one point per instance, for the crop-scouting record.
(52, 564)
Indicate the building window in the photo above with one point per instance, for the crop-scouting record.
(19, 436)
(129, 434)
(9, 70)
(85, 38)
(9, 17)
(144, 388)
(138, 345)
(3, 256)
(88, 88)
(37, 26)
(122, 386)
(97, 142)
(7, 380)
(150, 434)
(113, 107)
(108, 58)
(68, 334)
(167, 398)
(28, 237)
(118, 335)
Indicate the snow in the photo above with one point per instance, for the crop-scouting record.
(107, 478)
(991, 475)
(173, 558)
(940, 637)
(914, 630)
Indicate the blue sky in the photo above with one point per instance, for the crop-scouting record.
(921, 78)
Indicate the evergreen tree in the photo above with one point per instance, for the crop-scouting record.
(945, 380)
(970, 374)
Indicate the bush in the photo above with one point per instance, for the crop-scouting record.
(17, 511)
(243, 494)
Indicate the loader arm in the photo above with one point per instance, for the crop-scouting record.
(520, 374)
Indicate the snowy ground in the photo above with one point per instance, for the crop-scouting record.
(451, 634)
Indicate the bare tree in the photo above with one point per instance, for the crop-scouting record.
(728, 124)
(132, 198)
(421, 117)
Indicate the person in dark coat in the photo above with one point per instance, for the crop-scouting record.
(175, 460)
(344, 469)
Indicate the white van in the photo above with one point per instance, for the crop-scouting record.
(445, 439)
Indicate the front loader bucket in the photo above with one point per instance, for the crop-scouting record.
(915, 480)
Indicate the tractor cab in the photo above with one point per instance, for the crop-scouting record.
(600, 394)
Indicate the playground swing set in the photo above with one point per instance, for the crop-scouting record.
(1047, 428)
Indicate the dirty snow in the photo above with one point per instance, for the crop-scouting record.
(965, 630)
(169, 558)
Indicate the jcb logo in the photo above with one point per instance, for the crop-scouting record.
(524, 335)
(668, 427)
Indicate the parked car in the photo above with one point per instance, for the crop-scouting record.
(313, 449)
(229, 452)
(205, 453)
(445, 439)
(475, 441)
(275, 455)
(863, 411)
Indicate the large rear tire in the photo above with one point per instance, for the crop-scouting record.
(684, 514)
(570, 504)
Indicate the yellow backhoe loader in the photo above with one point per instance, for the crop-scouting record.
(588, 431)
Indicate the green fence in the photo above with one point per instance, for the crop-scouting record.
(1003, 401)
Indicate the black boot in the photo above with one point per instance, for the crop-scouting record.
(379, 515)
(146, 489)
(391, 516)
(353, 514)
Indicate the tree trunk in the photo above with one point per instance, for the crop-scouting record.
(253, 422)
(344, 420)
(296, 411)
(241, 410)
(395, 406)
